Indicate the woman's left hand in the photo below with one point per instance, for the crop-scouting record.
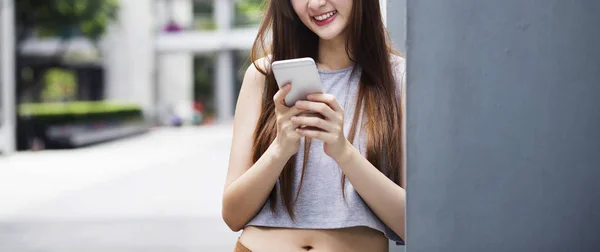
(328, 129)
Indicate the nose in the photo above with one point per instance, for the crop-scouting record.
(316, 4)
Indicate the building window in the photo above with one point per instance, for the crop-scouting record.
(204, 15)
(204, 78)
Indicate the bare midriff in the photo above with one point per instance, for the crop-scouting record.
(354, 239)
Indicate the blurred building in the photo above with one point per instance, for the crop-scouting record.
(208, 28)
(150, 53)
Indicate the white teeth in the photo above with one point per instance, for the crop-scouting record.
(325, 16)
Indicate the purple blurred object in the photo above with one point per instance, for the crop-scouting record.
(176, 121)
(172, 26)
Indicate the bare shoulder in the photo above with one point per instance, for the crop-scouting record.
(250, 96)
(254, 75)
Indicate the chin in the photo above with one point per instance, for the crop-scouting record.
(328, 36)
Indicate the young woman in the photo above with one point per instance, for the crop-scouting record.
(335, 185)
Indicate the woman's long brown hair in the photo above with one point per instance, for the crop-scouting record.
(283, 35)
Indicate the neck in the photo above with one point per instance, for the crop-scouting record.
(332, 54)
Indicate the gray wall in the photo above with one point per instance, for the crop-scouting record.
(503, 125)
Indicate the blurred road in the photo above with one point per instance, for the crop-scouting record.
(156, 192)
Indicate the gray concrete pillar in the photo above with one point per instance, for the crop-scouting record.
(224, 70)
(224, 86)
(175, 74)
(7, 77)
(503, 125)
(176, 70)
(128, 54)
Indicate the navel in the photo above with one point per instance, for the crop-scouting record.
(307, 248)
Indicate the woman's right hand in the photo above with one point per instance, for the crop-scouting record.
(288, 140)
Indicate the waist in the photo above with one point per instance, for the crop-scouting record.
(314, 240)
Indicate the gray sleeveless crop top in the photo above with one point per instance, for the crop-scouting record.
(320, 204)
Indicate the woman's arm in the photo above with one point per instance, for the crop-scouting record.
(248, 184)
(382, 195)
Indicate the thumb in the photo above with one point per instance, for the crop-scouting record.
(280, 95)
(286, 88)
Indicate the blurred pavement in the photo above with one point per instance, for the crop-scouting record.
(156, 192)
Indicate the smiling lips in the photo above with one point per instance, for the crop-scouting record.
(324, 19)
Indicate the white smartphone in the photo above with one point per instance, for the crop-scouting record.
(302, 73)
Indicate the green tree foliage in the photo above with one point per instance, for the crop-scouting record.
(248, 12)
(61, 85)
(65, 18)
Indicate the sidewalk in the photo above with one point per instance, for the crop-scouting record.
(156, 192)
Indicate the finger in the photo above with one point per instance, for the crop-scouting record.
(279, 97)
(319, 107)
(317, 134)
(291, 128)
(293, 111)
(327, 99)
(313, 121)
(311, 114)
